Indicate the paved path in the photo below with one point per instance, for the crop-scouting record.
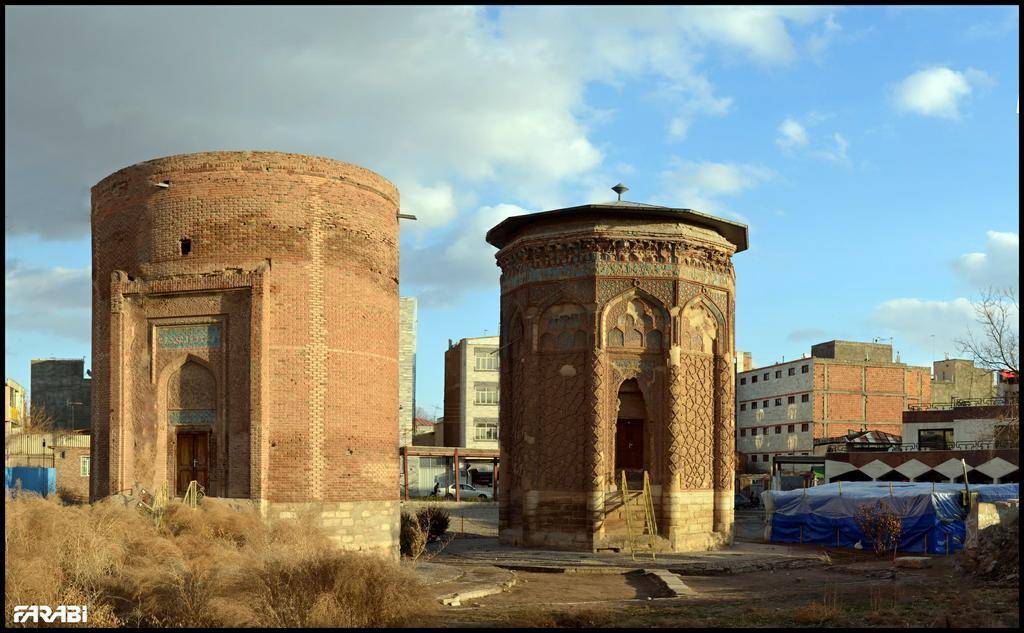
(740, 558)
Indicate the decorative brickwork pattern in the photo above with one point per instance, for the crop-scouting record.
(619, 316)
(698, 419)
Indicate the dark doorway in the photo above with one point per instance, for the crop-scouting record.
(629, 444)
(193, 459)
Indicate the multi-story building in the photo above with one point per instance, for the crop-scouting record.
(1007, 384)
(406, 370)
(843, 386)
(471, 393)
(958, 379)
(14, 406)
(61, 390)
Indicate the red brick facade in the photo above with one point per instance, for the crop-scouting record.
(849, 397)
(251, 297)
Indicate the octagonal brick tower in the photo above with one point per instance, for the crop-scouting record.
(245, 335)
(617, 325)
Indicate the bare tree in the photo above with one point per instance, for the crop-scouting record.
(997, 346)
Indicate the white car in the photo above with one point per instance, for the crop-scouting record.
(469, 491)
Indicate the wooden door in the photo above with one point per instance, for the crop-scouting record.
(193, 459)
(629, 444)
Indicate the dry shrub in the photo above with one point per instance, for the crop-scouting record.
(413, 536)
(881, 524)
(211, 567)
(814, 613)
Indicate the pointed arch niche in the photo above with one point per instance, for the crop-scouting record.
(635, 321)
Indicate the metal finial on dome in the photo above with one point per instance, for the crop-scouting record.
(620, 189)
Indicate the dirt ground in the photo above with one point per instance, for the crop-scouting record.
(860, 591)
(849, 589)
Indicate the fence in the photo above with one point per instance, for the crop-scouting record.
(966, 445)
(998, 401)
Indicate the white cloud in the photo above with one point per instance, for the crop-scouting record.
(791, 135)
(914, 321)
(998, 266)
(433, 206)
(66, 294)
(837, 153)
(468, 97)
(938, 91)
(459, 261)
(700, 186)
(794, 139)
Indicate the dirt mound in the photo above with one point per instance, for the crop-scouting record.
(997, 556)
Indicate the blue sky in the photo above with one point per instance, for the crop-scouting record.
(872, 151)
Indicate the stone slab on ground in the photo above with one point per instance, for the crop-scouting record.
(914, 562)
(672, 582)
(453, 584)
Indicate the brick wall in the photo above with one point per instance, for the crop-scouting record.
(295, 258)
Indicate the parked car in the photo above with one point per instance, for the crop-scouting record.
(468, 491)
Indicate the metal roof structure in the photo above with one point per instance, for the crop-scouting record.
(735, 232)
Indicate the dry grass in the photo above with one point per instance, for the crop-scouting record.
(212, 567)
(814, 613)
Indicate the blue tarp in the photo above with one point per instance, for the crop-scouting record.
(42, 481)
(933, 516)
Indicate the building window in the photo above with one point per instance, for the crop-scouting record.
(803, 428)
(766, 375)
(753, 458)
(743, 432)
(935, 439)
(764, 458)
(778, 373)
(486, 359)
(791, 428)
(743, 381)
(805, 398)
(753, 405)
(764, 405)
(753, 431)
(83, 466)
(753, 379)
(485, 393)
(803, 369)
(792, 371)
(778, 430)
(486, 428)
(743, 407)
(778, 402)
(791, 400)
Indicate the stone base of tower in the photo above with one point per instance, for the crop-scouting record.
(688, 521)
(356, 526)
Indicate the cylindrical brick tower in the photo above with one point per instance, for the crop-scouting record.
(617, 324)
(245, 336)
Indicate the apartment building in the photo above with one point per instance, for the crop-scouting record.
(14, 406)
(842, 386)
(958, 379)
(471, 393)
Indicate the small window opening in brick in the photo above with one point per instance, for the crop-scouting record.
(186, 246)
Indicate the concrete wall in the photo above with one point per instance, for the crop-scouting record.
(462, 412)
(56, 385)
(963, 430)
(407, 324)
(956, 378)
(476, 413)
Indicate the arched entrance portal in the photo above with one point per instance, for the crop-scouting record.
(630, 455)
